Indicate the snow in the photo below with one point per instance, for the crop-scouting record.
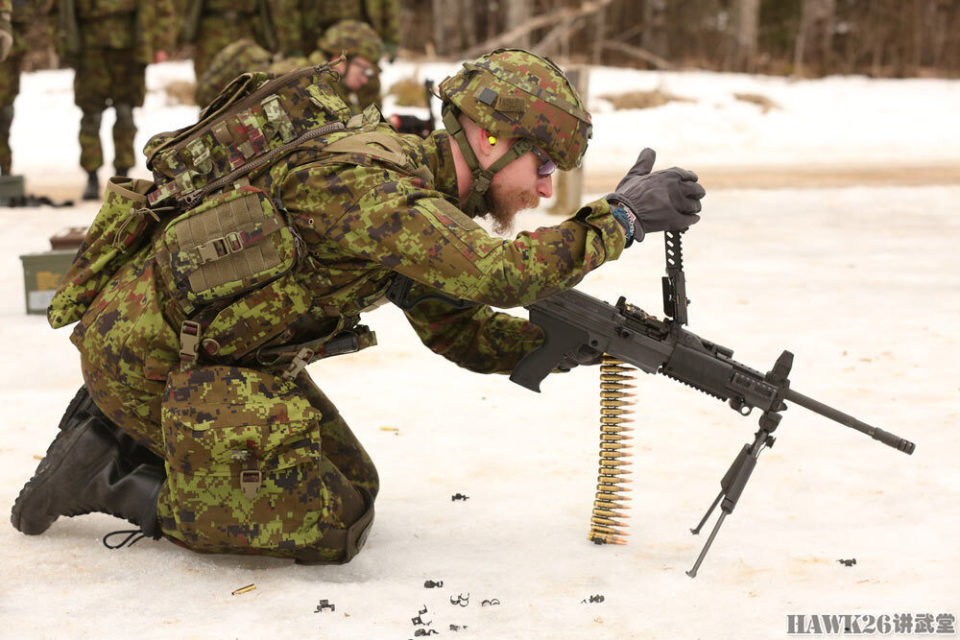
(861, 283)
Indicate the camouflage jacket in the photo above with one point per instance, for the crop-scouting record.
(143, 26)
(361, 222)
(365, 221)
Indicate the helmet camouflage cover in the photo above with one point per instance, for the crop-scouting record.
(515, 93)
(352, 38)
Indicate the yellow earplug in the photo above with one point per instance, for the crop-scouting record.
(492, 140)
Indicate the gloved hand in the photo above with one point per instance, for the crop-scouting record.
(6, 36)
(666, 200)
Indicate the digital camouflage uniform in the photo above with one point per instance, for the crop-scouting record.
(211, 25)
(244, 56)
(348, 38)
(24, 12)
(110, 43)
(362, 221)
(299, 28)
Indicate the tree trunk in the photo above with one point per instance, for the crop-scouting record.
(518, 13)
(654, 38)
(746, 20)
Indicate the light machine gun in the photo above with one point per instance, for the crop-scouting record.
(577, 325)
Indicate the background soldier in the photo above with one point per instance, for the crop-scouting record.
(13, 30)
(300, 29)
(110, 44)
(357, 42)
(210, 25)
(256, 458)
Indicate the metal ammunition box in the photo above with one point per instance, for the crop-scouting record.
(69, 238)
(42, 273)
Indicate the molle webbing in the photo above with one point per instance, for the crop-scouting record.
(252, 123)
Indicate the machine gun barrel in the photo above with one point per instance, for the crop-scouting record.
(887, 438)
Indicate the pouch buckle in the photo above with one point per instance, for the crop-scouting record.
(189, 341)
(250, 481)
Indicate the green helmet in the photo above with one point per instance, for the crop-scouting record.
(352, 38)
(514, 93)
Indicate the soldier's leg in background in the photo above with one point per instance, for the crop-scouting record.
(124, 131)
(6, 119)
(338, 442)
(127, 90)
(9, 88)
(246, 472)
(90, 91)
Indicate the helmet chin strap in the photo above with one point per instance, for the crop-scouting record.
(477, 202)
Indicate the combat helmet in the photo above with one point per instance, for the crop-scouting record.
(513, 93)
(352, 39)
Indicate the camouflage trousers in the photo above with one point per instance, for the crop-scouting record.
(108, 77)
(255, 463)
(9, 89)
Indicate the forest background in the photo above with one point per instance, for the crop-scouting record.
(800, 38)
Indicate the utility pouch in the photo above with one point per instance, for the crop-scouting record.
(233, 242)
(121, 227)
(243, 461)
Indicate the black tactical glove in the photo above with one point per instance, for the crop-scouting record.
(666, 200)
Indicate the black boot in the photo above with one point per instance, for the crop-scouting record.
(84, 471)
(92, 190)
(122, 173)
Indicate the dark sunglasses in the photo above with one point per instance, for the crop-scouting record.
(546, 166)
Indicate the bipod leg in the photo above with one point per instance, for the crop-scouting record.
(731, 486)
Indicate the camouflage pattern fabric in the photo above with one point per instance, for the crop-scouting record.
(227, 426)
(300, 25)
(245, 56)
(22, 15)
(218, 23)
(109, 43)
(352, 38)
(362, 219)
(513, 93)
(108, 77)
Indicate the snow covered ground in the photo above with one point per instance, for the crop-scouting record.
(862, 284)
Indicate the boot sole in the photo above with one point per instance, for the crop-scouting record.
(37, 488)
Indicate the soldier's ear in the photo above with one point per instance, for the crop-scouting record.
(486, 142)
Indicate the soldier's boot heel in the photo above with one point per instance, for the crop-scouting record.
(82, 473)
(92, 190)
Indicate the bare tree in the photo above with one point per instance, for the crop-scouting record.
(746, 21)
